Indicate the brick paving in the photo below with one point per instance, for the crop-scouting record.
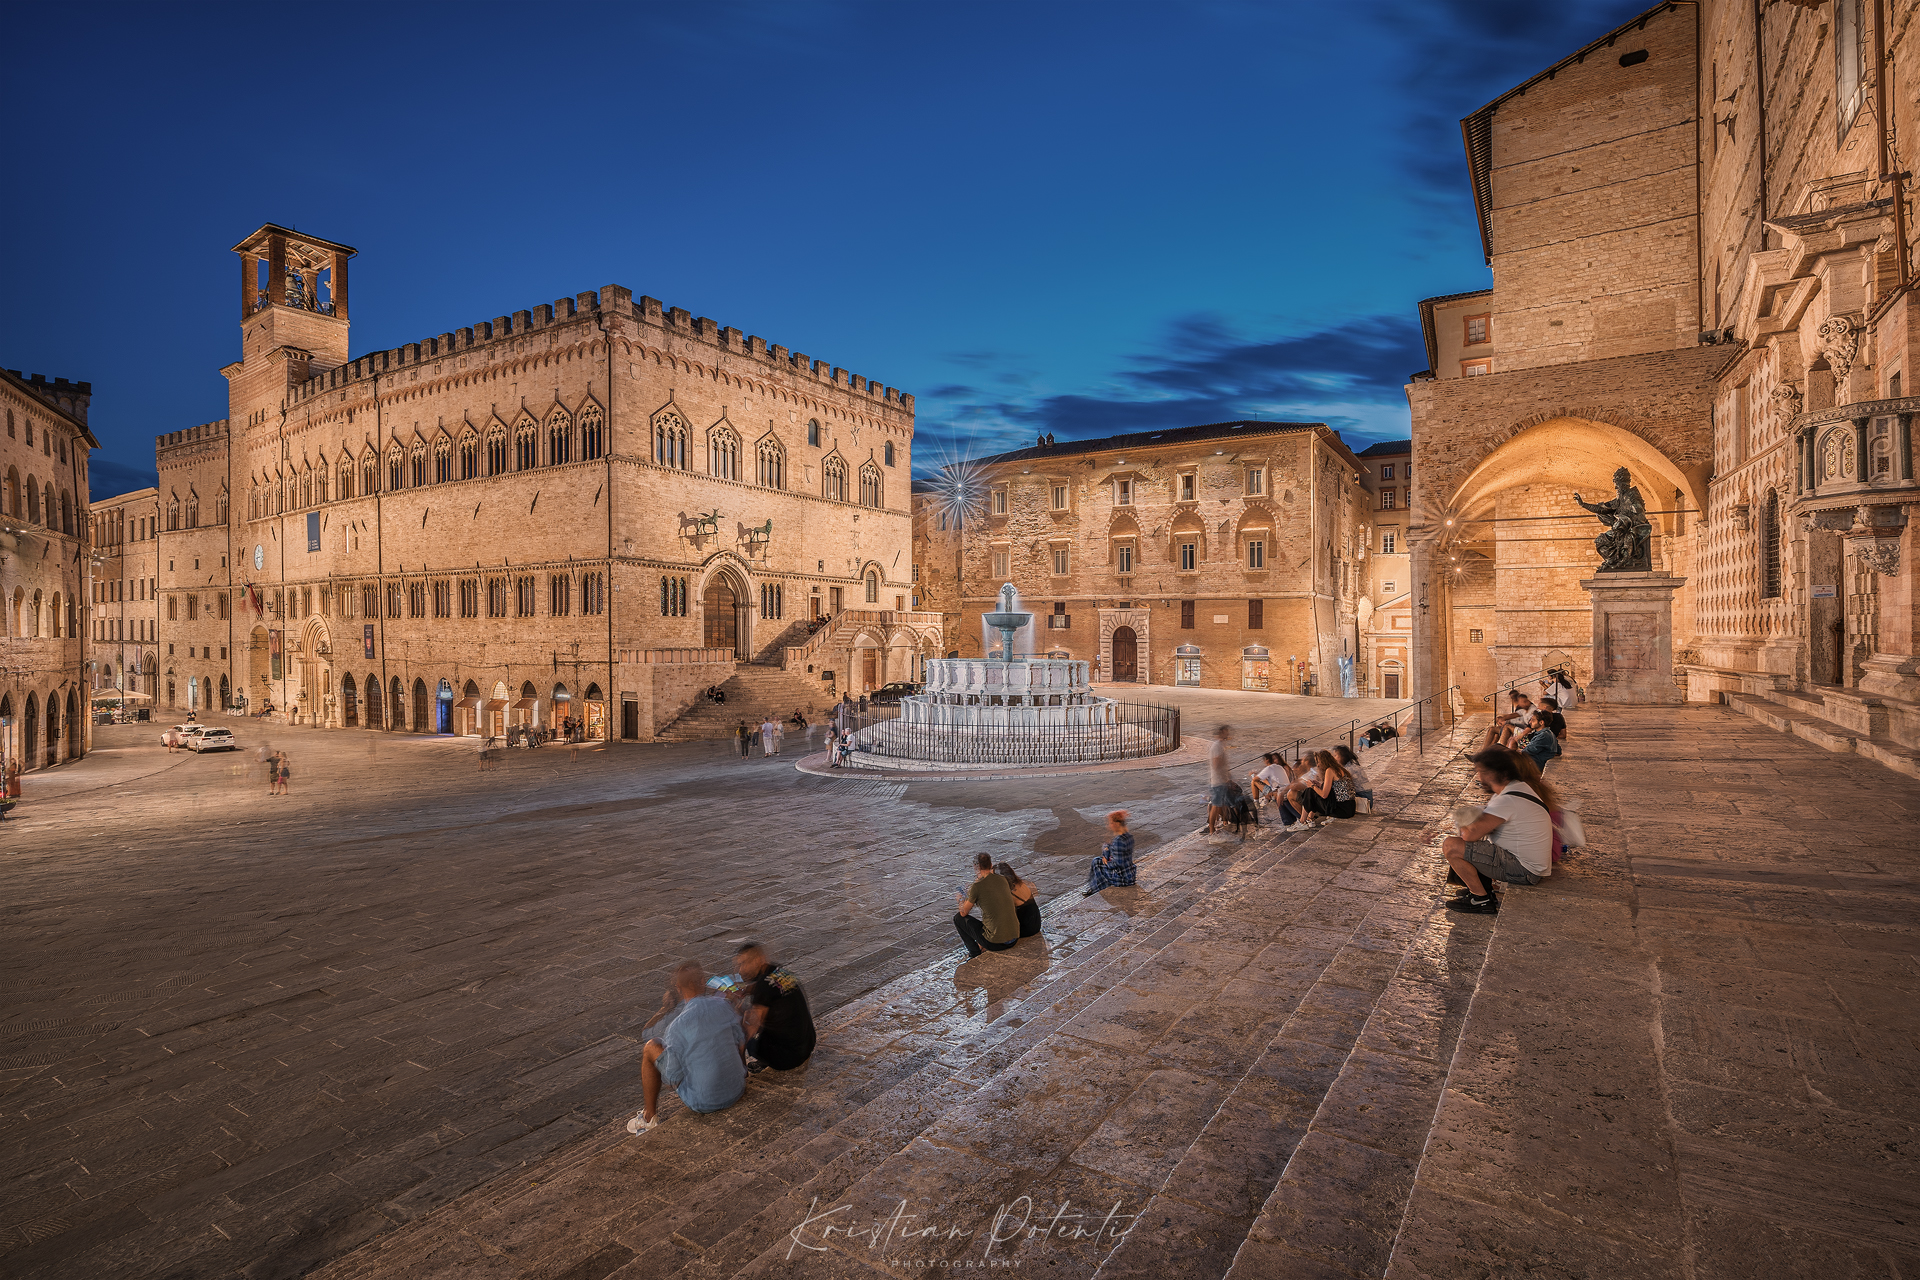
(243, 1034)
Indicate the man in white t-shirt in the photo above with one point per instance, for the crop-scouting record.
(1511, 840)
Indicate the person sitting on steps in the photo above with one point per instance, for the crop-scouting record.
(998, 927)
(1331, 795)
(1362, 785)
(1025, 904)
(1511, 839)
(697, 1045)
(1114, 868)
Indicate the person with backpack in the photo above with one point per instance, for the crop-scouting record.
(1511, 840)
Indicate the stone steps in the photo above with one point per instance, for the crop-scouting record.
(1242, 1053)
(1798, 714)
(753, 693)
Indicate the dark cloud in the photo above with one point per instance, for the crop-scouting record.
(1204, 372)
(1452, 57)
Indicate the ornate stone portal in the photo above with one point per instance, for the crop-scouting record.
(1633, 639)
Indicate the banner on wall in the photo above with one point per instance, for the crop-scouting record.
(274, 654)
(366, 638)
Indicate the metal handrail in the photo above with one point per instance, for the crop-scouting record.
(1392, 718)
(1516, 683)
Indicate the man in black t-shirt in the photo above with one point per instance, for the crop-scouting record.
(778, 1022)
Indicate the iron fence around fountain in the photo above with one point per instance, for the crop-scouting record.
(1127, 731)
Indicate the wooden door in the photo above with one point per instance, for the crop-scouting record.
(872, 658)
(1126, 656)
(1393, 684)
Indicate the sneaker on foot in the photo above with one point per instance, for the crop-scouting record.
(640, 1123)
(1298, 826)
(1475, 905)
(754, 1066)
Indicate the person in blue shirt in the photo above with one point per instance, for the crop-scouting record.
(1114, 866)
(697, 1045)
(1538, 741)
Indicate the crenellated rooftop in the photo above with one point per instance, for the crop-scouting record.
(647, 310)
(189, 435)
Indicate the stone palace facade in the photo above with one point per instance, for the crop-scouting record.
(589, 510)
(44, 570)
(1228, 556)
(1703, 241)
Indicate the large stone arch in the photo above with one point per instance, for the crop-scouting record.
(1513, 545)
(1567, 448)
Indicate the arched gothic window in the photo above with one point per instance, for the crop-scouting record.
(873, 587)
(417, 458)
(66, 512)
(526, 445)
(346, 478)
(813, 432)
(320, 473)
(469, 456)
(833, 480)
(770, 469)
(220, 505)
(396, 469)
(306, 498)
(869, 485)
(369, 474)
(592, 437)
(559, 440)
(723, 454)
(33, 501)
(670, 440)
(442, 460)
(497, 450)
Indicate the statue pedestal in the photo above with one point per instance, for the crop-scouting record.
(1633, 639)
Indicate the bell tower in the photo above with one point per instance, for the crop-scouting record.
(289, 331)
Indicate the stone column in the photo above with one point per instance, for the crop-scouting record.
(1633, 639)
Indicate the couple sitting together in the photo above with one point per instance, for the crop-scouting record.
(1313, 790)
(1009, 911)
(710, 1033)
(1538, 730)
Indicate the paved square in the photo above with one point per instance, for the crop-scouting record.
(249, 1033)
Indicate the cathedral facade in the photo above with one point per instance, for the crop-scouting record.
(1702, 235)
(587, 510)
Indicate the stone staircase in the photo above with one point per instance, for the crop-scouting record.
(1838, 720)
(1228, 1071)
(754, 692)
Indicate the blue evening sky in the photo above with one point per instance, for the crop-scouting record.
(1070, 217)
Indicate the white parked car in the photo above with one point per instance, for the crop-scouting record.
(182, 735)
(213, 740)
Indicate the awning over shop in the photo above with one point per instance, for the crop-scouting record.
(494, 704)
(467, 703)
(526, 704)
